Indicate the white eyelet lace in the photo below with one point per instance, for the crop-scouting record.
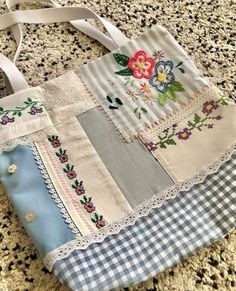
(142, 210)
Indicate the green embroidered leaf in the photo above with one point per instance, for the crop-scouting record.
(118, 101)
(109, 99)
(171, 94)
(162, 145)
(179, 64)
(182, 70)
(15, 113)
(162, 97)
(1, 109)
(30, 100)
(113, 107)
(101, 217)
(135, 110)
(121, 59)
(96, 216)
(93, 220)
(82, 202)
(125, 72)
(144, 110)
(197, 118)
(177, 86)
(139, 115)
(73, 186)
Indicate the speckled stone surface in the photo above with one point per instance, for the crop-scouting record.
(205, 29)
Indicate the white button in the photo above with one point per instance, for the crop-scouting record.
(30, 216)
(12, 169)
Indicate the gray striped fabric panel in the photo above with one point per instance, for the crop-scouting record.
(134, 169)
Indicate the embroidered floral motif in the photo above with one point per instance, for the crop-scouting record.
(62, 156)
(158, 55)
(76, 185)
(88, 205)
(139, 66)
(98, 220)
(164, 82)
(198, 123)
(9, 115)
(160, 75)
(54, 141)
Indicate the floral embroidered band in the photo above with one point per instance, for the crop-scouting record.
(170, 135)
(76, 184)
(9, 115)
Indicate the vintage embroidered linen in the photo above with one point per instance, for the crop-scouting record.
(109, 142)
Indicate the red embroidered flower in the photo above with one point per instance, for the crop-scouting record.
(141, 65)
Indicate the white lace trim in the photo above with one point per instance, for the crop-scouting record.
(142, 210)
(9, 146)
(53, 192)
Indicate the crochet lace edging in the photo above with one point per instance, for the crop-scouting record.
(53, 192)
(142, 210)
(9, 146)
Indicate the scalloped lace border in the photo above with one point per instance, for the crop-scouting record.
(53, 192)
(142, 210)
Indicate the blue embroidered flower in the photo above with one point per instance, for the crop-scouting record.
(163, 76)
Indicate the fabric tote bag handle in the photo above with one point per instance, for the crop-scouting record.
(116, 39)
(75, 15)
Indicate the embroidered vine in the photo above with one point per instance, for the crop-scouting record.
(160, 75)
(9, 115)
(76, 185)
(199, 122)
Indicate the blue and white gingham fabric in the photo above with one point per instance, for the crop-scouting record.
(178, 229)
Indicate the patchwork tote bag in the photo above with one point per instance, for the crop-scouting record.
(122, 167)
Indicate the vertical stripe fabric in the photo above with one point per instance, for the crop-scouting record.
(101, 79)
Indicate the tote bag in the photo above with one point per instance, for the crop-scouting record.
(122, 167)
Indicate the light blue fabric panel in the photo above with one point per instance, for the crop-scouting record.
(27, 190)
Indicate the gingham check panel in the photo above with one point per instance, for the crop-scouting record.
(178, 229)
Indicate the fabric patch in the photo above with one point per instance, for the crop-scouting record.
(22, 113)
(152, 76)
(28, 192)
(84, 185)
(65, 96)
(169, 234)
(78, 186)
(137, 174)
(186, 147)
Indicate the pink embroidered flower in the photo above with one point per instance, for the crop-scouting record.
(79, 190)
(141, 65)
(6, 119)
(209, 106)
(151, 146)
(54, 140)
(71, 174)
(56, 143)
(89, 207)
(34, 110)
(100, 224)
(63, 158)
